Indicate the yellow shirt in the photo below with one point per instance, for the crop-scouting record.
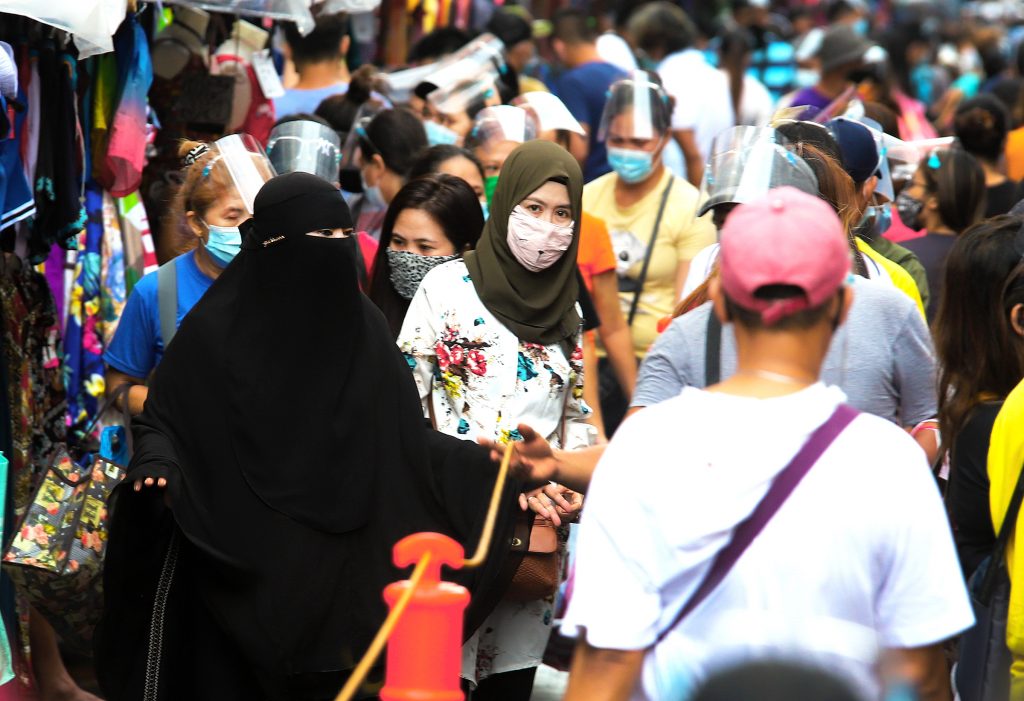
(680, 237)
(1005, 458)
(901, 279)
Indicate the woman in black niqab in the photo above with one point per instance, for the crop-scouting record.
(288, 429)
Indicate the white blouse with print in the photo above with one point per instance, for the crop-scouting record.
(476, 378)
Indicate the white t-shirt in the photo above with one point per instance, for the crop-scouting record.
(859, 558)
(756, 105)
(701, 92)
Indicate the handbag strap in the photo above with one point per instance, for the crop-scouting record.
(650, 250)
(782, 486)
(713, 350)
(996, 561)
(167, 300)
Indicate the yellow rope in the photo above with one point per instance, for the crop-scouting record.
(492, 512)
(373, 652)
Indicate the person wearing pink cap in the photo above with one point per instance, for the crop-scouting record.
(767, 533)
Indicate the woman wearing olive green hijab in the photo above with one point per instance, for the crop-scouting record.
(493, 341)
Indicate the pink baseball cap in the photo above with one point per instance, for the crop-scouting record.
(786, 237)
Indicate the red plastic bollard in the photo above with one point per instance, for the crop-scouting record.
(425, 649)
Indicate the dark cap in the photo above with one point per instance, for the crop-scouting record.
(858, 148)
(841, 45)
(297, 203)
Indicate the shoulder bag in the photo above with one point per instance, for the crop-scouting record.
(56, 555)
(983, 672)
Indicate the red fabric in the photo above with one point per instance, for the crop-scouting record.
(368, 247)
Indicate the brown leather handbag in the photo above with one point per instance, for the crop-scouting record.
(538, 574)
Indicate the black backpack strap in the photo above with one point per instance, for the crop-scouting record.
(996, 561)
(713, 350)
(650, 250)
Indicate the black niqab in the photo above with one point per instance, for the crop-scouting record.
(289, 428)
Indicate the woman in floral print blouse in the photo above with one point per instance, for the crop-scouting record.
(493, 340)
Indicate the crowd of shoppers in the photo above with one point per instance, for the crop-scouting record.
(743, 283)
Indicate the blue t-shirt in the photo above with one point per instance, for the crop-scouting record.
(584, 90)
(295, 101)
(138, 345)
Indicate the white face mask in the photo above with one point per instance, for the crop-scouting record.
(536, 244)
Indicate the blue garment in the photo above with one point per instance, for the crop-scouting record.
(16, 200)
(138, 346)
(295, 101)
(584, 90)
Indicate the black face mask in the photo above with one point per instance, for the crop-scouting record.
(909, 209)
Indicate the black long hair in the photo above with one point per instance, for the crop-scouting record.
(449, 201)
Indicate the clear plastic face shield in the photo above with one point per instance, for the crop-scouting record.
(551, 113)
(636, 113)
(503, 123)
(305, 146)
(746, 162)
(351, 153)
(240, 158)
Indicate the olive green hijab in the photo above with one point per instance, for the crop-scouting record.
(537, 307)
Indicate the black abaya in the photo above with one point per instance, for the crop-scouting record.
(289, 430)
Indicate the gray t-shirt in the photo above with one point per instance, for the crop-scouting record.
(882, 357)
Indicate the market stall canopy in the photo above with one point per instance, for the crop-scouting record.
(91, 22)
(296, 11)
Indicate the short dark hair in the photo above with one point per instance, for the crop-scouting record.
(837, 9)
(769, 680)
(322, 44)
(302, 117)
(982, 124)
(885, 116)
(572, 26)
(438, 43)
(340, 110)
(510, 27)
(1010, 91)
(398, 136)
(430, 160)
(958, 183)
(662, 26)
(449, 201)
(800, 321)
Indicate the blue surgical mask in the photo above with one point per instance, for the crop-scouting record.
(438, 135)
(631, 165)
(485, 208)
(223, 243)
(862, 26)
(372, 194)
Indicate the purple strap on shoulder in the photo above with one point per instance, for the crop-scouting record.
(748, 529)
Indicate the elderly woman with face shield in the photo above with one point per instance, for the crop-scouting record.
(649, 212)
(215, 196)
(493, 340)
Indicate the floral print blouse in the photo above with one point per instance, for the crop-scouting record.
(476, 378)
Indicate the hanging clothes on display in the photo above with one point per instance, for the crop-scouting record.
(58, 171)
(126, 150)
(83, 346)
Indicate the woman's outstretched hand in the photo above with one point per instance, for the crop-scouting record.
(533, 459)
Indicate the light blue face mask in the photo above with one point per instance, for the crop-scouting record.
(223, 243)
(862, 26)
(485, 208)
(631, 165)
(438, 135)
(374, 197)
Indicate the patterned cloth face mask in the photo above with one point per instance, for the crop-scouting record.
(409, 269)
